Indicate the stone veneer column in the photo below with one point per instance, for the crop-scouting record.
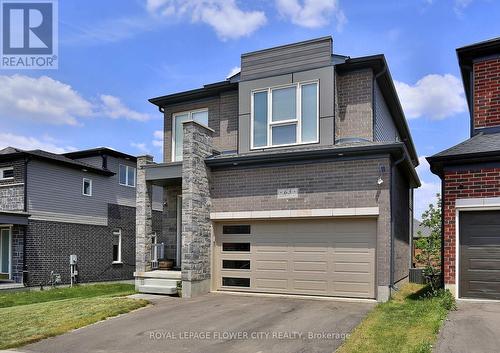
(143, 216)
(196, 224)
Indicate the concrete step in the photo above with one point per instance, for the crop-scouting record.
(158, 289)
(160, 282)
(159, 274)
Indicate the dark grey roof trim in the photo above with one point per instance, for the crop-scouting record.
(18, 218)
(290, 45)
(208, 90)
(99, 151)
(396, 150)
(379, 65)
(56, 159)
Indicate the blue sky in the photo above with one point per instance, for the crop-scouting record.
(114, 55)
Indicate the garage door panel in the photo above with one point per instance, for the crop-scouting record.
(312, 257)
(479, 254)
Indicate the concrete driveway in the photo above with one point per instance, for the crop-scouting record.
(473, 328)
(218, 323)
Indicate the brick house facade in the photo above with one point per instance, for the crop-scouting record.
(470, 174)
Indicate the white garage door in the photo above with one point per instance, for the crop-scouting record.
(315, 257)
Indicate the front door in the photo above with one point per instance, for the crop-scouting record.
(5, 245)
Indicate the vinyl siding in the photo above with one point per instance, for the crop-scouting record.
(385, 130)
(290, 58)
(55, 193)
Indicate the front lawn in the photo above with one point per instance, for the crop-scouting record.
(408, 323)
(32, 316)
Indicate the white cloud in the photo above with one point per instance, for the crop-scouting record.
(158, 138)
(460, 6)
(312, 13)
(113, 108)
(41, 99)
(46, 143)
(233, 71)
(434, 96)
(426, 194)
(141, 146)
(225, 16)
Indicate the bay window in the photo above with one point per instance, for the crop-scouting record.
(285, 115)
(200, 116)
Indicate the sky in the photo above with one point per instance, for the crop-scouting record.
(114, 55)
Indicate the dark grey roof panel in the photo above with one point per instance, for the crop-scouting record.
(480, 143)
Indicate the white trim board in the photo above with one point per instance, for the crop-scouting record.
(471, 204)
(305, 213)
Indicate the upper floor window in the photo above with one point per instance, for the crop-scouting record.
(6, 173)
(127, 175)
(87, 187)
(286, 115)
(200, 116)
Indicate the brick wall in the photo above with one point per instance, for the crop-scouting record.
(354, 116)
(49, 244)
(12, 190)
(487, 93)
(17, 252)
(222, 118)
(479, 183)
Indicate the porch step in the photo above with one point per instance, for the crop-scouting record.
(158, 289)
(160, 282)
(159, 274)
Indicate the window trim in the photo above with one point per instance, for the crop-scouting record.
(126, 175)
(2, 169)
(83, 187)
(119, 233)
(297, 121)
(190, 118)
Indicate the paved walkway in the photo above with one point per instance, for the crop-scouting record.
(218, 323)
(473, 328)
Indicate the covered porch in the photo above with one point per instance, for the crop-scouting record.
(12, 234)
(186, 226)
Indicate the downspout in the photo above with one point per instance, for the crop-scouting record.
(393, 227)
(374, 107)
(25, 267)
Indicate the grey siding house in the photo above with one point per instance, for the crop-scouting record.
(80, 203)
(294, 176)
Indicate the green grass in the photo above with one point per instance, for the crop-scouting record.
(408, 323)
(32, 316)
(87, 291)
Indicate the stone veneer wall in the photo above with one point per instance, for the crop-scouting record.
(196, 224)
(144, 216)
(17, 252)
(12, 190)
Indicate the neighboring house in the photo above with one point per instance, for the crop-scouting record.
(56, 205)
(294, 176)
(470, 174)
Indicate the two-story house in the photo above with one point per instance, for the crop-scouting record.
(470, 174)
(56, 205)
(294, 176)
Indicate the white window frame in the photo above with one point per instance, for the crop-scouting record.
(83, 186)
(190, 118)
(119, 233)
(127, 167)
(297, 120)
(2, 171)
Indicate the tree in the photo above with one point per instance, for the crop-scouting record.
(430, 247)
